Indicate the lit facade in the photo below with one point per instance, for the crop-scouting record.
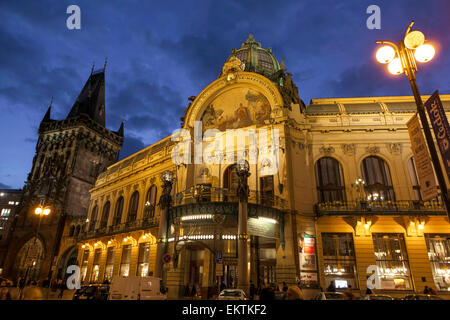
(308, 219)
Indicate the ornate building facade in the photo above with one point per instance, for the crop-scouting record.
(70, 154)
(310, 217)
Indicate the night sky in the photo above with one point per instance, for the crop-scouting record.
(161, 52)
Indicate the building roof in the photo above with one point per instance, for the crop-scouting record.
(91, 100)
(256, 58)
(371, 105)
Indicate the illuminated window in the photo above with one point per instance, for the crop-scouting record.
(125, 261)
(378, 179)
(329, 180)
(109, 268)
(6, 212)
(150, 202)
(84, 264)
(339, 261)
(96, 265)
(392, 261)
(439, 253)
(144, 252)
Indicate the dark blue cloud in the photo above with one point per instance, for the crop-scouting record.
(161, 52)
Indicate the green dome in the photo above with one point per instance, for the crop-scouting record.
(256, 58)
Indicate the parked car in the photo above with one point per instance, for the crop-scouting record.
(232, 294)
(422, 297)
(330, 296)
(377, 297)
(92, 292)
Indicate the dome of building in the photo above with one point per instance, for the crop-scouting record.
(256, 58)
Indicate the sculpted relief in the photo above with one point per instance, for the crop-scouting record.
(238, 108)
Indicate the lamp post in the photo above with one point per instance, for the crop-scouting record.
(165, 202)
(243, 191)
(39, 211)
(402, 58)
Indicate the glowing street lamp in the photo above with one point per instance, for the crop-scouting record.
(410, 49)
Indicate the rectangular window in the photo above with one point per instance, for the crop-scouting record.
(339, 261)
(84, 264)
(144, 252)
(439, 253)
(392, 261)
(125, 261)
(96, 265)
(109, 268)
(6, 212)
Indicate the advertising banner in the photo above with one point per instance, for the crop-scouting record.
(422, 159)
(440, 126)
(308, 265)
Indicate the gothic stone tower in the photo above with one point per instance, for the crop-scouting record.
(70, 153)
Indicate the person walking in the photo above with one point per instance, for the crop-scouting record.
(61, 288)
(285, 287)
(426, 290)
(331, 287)
(432, 291)
(252, 290)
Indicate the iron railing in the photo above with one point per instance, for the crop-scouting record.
(202, 193)
(380, 207)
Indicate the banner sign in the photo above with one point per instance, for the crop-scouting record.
(440, 126)
(422, 159)
(307, 257)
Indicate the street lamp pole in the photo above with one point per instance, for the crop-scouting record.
(414, 40)
(165, 201)
(243, 193)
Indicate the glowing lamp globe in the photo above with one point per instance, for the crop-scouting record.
(414, 39)
(385, 54)
(395, 66)
(38, 210)
(424, 53)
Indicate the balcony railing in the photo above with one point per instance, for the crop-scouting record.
(120, 228)
(380, 207)
(209, 194)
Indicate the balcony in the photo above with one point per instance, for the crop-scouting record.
(202, 193)
(120, 228)
(402, 207)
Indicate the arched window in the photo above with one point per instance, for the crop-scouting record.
(72, 231)
(93, 220)
(230, 182)
(105, 215)
(134, 203)
(230, 178)
(378, 180)
(150, 202)
(119, 210)
(329, 180)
